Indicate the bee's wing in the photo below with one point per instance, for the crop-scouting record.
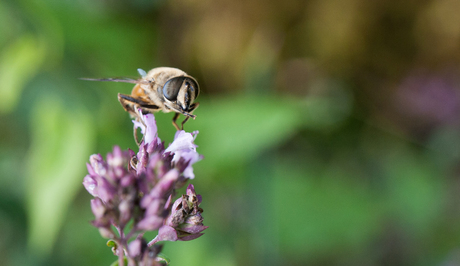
(126, 80)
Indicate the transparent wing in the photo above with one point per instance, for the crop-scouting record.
(126, 80)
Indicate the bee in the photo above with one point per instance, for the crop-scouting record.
(163, 89)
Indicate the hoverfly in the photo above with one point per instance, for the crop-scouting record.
(164, 89)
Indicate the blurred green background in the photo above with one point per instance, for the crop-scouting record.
(330, 128)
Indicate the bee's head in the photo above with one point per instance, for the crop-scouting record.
(181, 92)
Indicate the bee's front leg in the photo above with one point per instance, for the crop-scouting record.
(183, 122)
(135, 136)
(174, 121)
(130, 104)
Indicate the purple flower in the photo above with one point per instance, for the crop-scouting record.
(90, 184)
(148, 127)
(185, 221)
(137, 189)
(104, 176)
(184, 149)
(426, 100)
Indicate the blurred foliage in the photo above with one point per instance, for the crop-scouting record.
(329, 128)
(58, 148)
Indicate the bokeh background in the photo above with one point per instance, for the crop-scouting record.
(330, 128)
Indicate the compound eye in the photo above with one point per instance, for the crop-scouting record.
(193, 87)
(172, 88)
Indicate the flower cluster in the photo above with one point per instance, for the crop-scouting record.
(133, 193)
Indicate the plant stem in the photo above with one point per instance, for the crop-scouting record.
(153, 241)
(120, 256)
(121, 246)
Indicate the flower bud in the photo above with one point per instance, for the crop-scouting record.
(150, 223)
(125, 207)
(137, 247)
(98, 208)
(98, 165)
(90, 185)
(106, 232)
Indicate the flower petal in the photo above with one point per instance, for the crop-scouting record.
(182, 141)
(167, 233)
(91, 185)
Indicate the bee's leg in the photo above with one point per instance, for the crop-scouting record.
(136, 138)
(193, 107)
(130, 103)
(135, 134)
(188, 115)
(174, 121)
(183, 122)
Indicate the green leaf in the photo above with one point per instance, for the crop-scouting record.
(233, 130)
(163, 258)
(416, 192)
(332, 210)
(18, 63)
(237, 128)
(112, 244)
(62, 140)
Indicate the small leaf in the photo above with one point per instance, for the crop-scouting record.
(112, 244)
(163, 258)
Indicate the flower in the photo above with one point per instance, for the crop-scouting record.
(148, 127)
(185, 221)
(184, 149)
(104, 177)
(137, 189)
